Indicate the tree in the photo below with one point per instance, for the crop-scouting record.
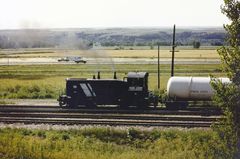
(227, 96)
(151, 46)
(196, 44)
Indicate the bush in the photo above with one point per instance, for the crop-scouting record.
(41, 134)
(196, 44)
(65, 137)
(29, 92)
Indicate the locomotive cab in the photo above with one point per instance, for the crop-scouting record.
(137, 81)
(138, 94)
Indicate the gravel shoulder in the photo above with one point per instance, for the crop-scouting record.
(36, 102)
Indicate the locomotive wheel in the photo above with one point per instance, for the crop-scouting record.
(63, 101)
(91, 105)
(72, 106)
(124, 105)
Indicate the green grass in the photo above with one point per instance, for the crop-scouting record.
(6, 102)
(32, 91)
(109, 143)
(46, 81)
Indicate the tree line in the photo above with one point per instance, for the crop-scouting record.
(52, 38)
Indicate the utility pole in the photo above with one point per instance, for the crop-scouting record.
(173, 52)
(158, 66)
(8, 64)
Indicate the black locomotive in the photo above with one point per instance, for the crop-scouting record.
(132, 91)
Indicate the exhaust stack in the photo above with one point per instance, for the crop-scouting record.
(115, 75)
(98, 75)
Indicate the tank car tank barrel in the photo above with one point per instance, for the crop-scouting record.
(191, 88)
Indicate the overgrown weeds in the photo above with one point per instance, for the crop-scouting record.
(107, 142)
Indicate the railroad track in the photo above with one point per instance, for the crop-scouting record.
(108, 116)
(44, 108)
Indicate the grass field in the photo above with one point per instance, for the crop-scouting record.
(182, 54)
(199, 54)
(107, 143)
(47, 81)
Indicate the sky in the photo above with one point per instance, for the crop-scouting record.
(20, 14)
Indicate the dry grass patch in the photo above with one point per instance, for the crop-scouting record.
(189, 54)
(201, 54)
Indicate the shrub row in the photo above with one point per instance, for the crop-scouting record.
(28, 92)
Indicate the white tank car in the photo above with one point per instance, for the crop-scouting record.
(191, 88)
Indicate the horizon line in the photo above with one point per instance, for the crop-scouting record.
(115, 27)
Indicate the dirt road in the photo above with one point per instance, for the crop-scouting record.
(52, 60)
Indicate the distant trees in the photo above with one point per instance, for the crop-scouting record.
(151, 47)
(11, 43)
(113, 38)
(217, 43)
(41, 39)
(196, 44)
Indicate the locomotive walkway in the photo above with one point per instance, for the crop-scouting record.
(191, 117)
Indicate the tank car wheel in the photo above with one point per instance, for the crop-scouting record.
(142, 105)
(171, 105)
(176, 105)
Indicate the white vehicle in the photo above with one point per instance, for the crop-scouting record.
(63, 59)
(79, 60)
(76, 59)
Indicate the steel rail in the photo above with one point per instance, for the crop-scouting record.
(55, 109)
(112, 116)
(59, 121)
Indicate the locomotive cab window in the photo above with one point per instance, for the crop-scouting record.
(135, 82)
